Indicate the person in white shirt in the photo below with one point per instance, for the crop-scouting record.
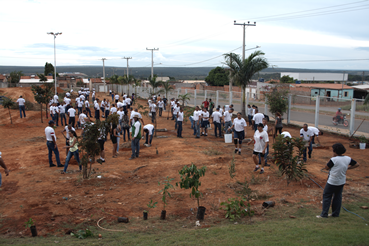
(196, 121)
(205, 121)
(87, 107)
(226, 107)
(136, 137)
(51, 144)
(97, 109)
(307, 135)
(56, 114)
(239, 126)
(217, 122)
(149, 131)
(316, 133)
(82, 97)
(62, 113)
(67, 129)
(82, 119)
(265, 128)
(261, 143)
(160, 106)
(22, 108)
(227, 119)
(220, 109)
(116, 97)
(249, 114)
(80, 106)
(119, 105)
(257, 119)
(102, 108)
(128, 102)
(180, 116)
(113, 109)
(153, 112)
(56, 98)
(67, 94)
(72, 116)
(337, 166)
(107, 109)
(120, 112)
(124, 96)
(286, 134)
(133, 114)
(176, 108)
(172, 104)
(93, 96)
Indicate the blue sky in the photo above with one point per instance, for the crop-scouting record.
(185, 32)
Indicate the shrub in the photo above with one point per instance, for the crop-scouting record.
(234, 208)
(277, 100)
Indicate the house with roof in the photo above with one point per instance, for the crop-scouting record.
(333, 91)
(34, 79)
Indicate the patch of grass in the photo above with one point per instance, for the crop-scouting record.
(212, 152)
(214, 172)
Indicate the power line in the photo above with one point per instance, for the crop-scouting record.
(323, 60)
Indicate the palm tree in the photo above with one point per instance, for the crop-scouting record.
(136, 82)
(154, 84)
(114, 79)
(184, 98)
(241, 71)
(167, 87)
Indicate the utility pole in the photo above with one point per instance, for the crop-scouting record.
(152, 60)
(103, 59)
(244, 35)
(127, 58)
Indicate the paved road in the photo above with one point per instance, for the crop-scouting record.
(329, 109)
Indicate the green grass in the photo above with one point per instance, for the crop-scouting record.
(274, 228)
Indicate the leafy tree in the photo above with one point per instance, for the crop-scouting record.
(8, 103)
(42, 95)
(42, 78)
(80, 83)
(167, 88)
(366, 101)
(217, 77)
(184, 98)
(15, 76)
(164, 192)
(154, 84)
(241, 71)
(286, 79)
(114, 79)
(49, 69)
(277, 100)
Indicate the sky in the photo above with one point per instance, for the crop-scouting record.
(314, 34)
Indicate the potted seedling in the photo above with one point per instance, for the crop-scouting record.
(190, 179)
(363, 141)
(150, 205)
(31, 224)
(164, 192)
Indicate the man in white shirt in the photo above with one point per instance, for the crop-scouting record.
(51, 144)
(22, 108)
(176, 108)
(82, 119)
(113, 109)
(119, 105)
(216, 121)
(136, 137)
(80, 106)
(67, 94)
(107, 108)
(97, 109)
(116, 97)
(160, 106)
(82, 97)
(196, 121)
(128, 102)
(261, 142)
(93, 96)
(72, 116)
(316, 133)
(205, 121)
(180, 116)
(265, 128)
(172, 104)
(286, 134)
(62, 113)
(102, 108)
(249, 114)
(257, 119)
(56, 114)
(149, 131)
(307, 135)
(87, 107)
(153, 112)
(227, 119)
(56, 98)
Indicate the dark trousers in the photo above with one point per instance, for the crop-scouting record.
(160, 111)
(56, 119)
(330, 191)
(250, 119)
(97, 114)
(218, 126)
(72, 121)
(279, 129)
(79, 110)
(51, 148)
(22, 108)
(153, 117)
(107, 113)
(135, 145)
(88, 111)
(171, 110)
(175, 122)
(149, 137)
(62, 117)
(179, 128)
(310, 150)
(124, 133)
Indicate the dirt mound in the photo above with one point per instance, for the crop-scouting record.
(15, 92)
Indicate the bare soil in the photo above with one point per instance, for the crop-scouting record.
(58, 202)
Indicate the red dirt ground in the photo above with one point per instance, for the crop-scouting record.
(34, 190)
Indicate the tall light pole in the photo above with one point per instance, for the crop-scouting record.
(127, 58)
(54, 34)
(103, 59)
(244, 35)
(152, 60)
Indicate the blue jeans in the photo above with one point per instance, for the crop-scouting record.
(197, 128)
(0, 180)
(79, 110)
(107, 113)
(56, 119)
(124, 133)
(151, 136)
(330, 191)
(22, 108)
(227, 125)
(62, 116)
(175, 122)
(88, 111)
(265, 155)
(135, 145)
(118, 139)
(69, 156)
(219, 127)
(51, 148)
(250, 119)
(192, 126)
(179, 128)
(310, 150)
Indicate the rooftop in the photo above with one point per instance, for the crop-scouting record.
(324, 86)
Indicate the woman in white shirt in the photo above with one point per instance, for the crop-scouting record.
(73, 151)
(107, 108)
(239, 126)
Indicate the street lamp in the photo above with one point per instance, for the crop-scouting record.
(54, 34)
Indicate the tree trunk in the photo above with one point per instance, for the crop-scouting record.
(41, 113)
(244, 102)
(10, 116)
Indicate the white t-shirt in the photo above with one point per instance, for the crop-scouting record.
(82, 119)
(67, 94)
(261, 138)
(113, 110)
(52, 110)
(21, 101)
(314, 130)
(97, 107)
(80, 104)
(205, 116)
(72, 112)
(56, 98)
(116, 96)
(153, 107)
(221, 110)
(306, 135)
(67, 101)
(128, 101)
(150, 128)
(56, 109)
(78, 99)
(216, 116)
(196, 115)
(249, 111)
(286, 134)
(239, 124)
(67, 131)
(49, 132)
(227, 116)
(82, 97)
(120, 113)
(180, 116)
(87, 104)
(226, 107)
(124, 96)
(265, 128)
(172, 103)
(258, 118)
(107, 105)
(176, 109)
(338, 166)
(62, 109)
(102, 104)
(160, 104)
(253, 112)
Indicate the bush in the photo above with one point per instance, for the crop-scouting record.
(234, 208)
(277, 100)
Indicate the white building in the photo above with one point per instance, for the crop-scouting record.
(316, 77)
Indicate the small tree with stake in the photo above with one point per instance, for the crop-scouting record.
(42, 94)
(184, 98)
(165, 192)
(8, 103)
(190, 179)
